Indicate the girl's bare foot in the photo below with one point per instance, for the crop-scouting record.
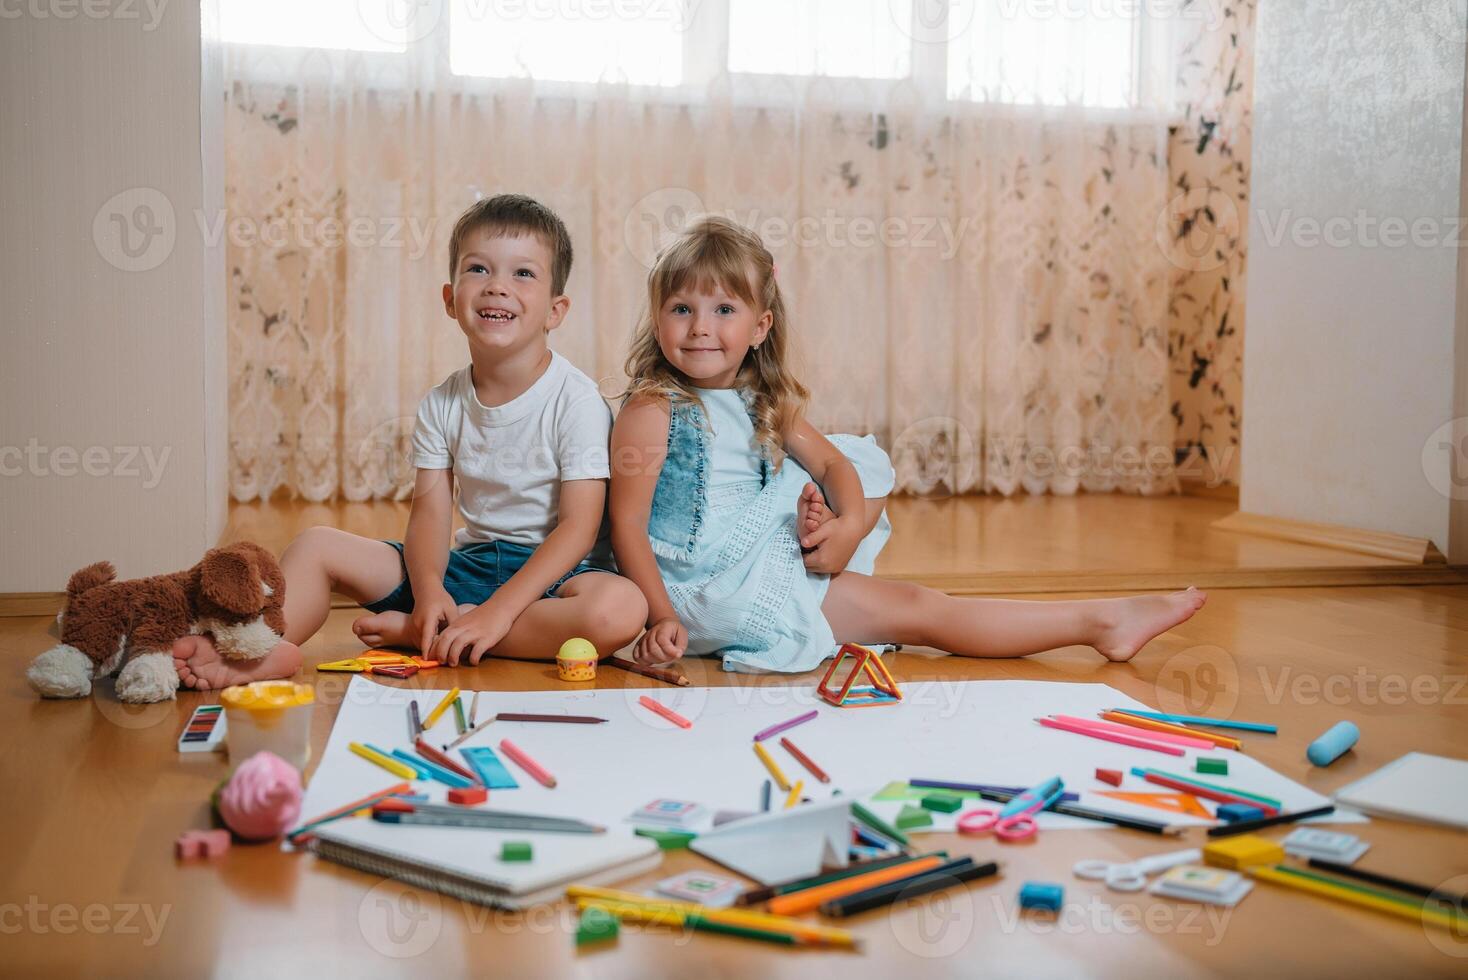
(1125, 625)
(387, 629)
(200, 666)
(810, 511)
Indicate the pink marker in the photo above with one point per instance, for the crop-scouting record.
(667, 713)
(1119, 739)
(524, 761)
(785, 725)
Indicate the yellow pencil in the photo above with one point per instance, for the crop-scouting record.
(437, 713)
(757, 920)
(1402, 908)
(775, 773)
(794, 796)
(709, 918)
(387, 762)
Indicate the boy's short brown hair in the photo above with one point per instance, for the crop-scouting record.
(516, 213)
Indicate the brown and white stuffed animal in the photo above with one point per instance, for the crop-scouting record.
(234, 594)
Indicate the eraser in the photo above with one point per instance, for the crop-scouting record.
(596, 925)
(1336, 742)
(1041, 895)
(468, 795)
(1216, 767)
(942, 802)
(201, 844)
(1243, 851)
(1235, 812)
(911, 817)
(515, 850)
(1112, 776)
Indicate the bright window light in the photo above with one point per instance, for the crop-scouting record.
(353, 25)
(1047, 52)
(639, 42)
(843, 38)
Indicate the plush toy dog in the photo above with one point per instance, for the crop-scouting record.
(235, 595)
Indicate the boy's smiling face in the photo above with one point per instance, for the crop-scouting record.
(501, 293)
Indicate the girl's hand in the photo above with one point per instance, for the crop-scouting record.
(430, 614)
(665, 640)
(472, 635)
(831, 545)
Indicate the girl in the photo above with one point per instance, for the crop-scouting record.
(714, 468)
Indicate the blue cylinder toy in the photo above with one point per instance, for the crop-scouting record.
(1337, 740)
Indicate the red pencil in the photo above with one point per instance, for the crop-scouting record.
(666, 712)
(1217, 796)
(805, 760)
(434, 755)
(528, 764)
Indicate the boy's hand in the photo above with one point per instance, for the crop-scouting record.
(665, 640)
(430, 614)
(832, 545)
(472, 635)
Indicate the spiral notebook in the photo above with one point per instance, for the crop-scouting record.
(464, 863)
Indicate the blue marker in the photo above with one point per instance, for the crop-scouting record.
(1034, 799)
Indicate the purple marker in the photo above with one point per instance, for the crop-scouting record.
(785, 725)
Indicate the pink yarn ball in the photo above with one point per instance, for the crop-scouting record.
(262, 800)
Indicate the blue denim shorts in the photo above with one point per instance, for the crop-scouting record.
(473, 574)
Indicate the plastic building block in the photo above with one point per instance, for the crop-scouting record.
(1217, 767)
(667, 840)
(468, 795)
(912, 816)
(942, 802)
(515, 850)
(1041, 895)
(1112, 776)
(1234, 812)
(596, 925)
(201, 844)
(1243, 851)
(883, 689)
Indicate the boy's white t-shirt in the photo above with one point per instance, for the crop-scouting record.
(510, 460)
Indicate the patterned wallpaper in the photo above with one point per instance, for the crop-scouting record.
(1206, 238)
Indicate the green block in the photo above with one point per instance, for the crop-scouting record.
(942, 802)
(596, 926)
(912, 816)
(667, 840)
(515, 850)
(1217, 767)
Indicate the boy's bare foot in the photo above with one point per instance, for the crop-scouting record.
(387, 629)
(1126, 625)
(810, 511)
(200, 666)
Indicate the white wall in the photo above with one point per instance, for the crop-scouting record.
(1353, 349)
(111, 415)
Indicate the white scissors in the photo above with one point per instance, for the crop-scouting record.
(1132, 876)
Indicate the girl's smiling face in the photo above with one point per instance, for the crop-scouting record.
(705, 333)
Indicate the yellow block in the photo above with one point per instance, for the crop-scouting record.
(1243, 851)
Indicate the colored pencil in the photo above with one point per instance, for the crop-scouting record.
(1386, 881)
(304, 829)
(805, 760)
(570, 719)
(875, 822)
(452, 815)
(1249, 826)
(409, 760)
(979, 789)
(764, 797)
(1119, 739)
(415, 723)
(812, 898)
(808, 931)
(437, 713)
(1218, 796)
(774, 770)
(385, 761)
(435, 771)
(657, 708)
(1167, 738)
(754, 896)
(461, 723)
(794, 796)
(1149, 725)
(1268, 801)
(474, 710)
(773, 730)
(435, 755)
(1090, 813)
(664, 675)
(470, 733)
(943, 876)
(1341, 892)
(1244, 726)
(528, 764)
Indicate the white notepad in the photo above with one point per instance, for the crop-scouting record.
(465, 864)
(1418, 786)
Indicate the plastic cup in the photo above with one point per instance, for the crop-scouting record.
(269, 716)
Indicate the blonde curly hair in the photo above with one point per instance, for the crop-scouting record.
(714, 251)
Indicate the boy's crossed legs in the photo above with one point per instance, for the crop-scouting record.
(601, 607)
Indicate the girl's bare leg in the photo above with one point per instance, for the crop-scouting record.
(865, 609)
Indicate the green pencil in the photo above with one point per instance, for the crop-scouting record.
(877, 823)
(460, 722)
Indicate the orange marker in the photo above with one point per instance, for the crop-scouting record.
(808, 900)
(666, 712)
(1149, 724)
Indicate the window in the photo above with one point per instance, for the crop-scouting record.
(845, 38)
(352, 25)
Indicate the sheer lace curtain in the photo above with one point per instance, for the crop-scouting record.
(963, 200)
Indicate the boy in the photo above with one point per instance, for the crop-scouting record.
(524, 433)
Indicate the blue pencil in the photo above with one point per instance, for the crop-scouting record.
(1247, 726)
(764, 796)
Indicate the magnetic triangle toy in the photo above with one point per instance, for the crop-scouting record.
(866, 664)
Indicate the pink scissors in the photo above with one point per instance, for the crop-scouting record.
(1016, 819)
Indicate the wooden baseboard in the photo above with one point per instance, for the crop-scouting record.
(1379, 544)
(30, 603)
(1036, 583)
(1209, 491)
